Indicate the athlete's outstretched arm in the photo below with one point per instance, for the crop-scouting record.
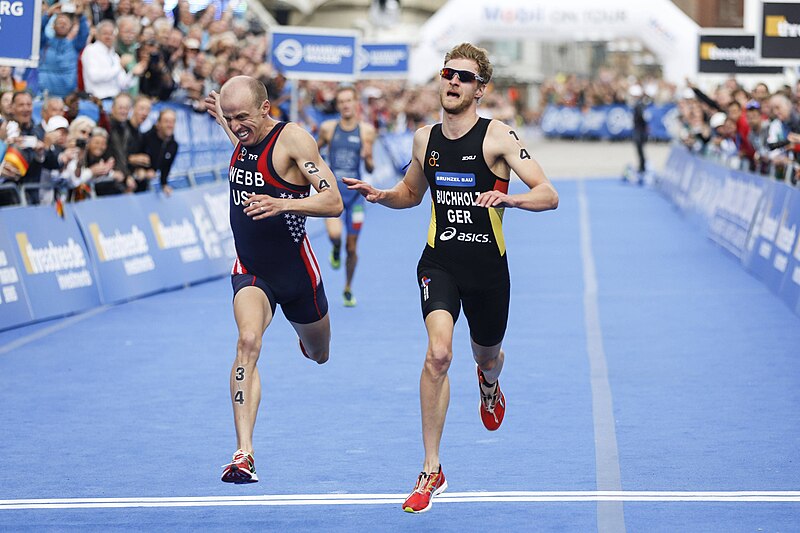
(409, 191)
(302, 149)
(213, 108)
(503, 146)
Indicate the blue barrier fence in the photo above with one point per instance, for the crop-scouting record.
(754, 218)
(109, 250)
(611, 122)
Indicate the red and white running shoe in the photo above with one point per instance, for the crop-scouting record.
(493, 403)
(428, 486)
(241, 470)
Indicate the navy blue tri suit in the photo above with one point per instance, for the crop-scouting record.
(464, 261)
(273, 254)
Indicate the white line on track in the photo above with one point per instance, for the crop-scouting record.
(396, 499)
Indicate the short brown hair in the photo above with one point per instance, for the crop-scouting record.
(470, 51)
(346, 87)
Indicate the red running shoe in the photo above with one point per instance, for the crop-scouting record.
(241, 470)
(493, 404)
(428, 486)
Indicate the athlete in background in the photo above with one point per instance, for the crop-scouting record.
(466, 161)
(273, 167)
(349, 142)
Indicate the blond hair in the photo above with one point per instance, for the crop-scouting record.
(478, 55)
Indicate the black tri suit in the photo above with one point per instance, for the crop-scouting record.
(273, 254)
(464, 261)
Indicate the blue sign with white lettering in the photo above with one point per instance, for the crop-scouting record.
(19, 32)
(52, 260)
(768, 247)
(383, 60)
(209, 205)
(315, 53)
(790, 240)
(735, 207)
(455, 179)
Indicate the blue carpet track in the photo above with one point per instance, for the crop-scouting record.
(703, 366)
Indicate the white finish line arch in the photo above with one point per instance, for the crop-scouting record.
(668, 32)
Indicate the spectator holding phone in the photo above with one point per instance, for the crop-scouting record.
(58, 66)
(21, 132)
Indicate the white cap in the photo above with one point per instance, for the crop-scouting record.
(717, 120)
(56, 122)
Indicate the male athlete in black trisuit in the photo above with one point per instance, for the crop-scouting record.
(273, 167)
(466, 161)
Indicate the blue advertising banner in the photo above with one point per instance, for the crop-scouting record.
(14, 308)
(121, 245)
(605, 122)
(315, 53)
(735, 210)
(751, 216)
(703, 181)
(767, 255)
(209, 208)
(383, 60)
(675, 180)
(180, 257)
(20, 27)
(53, 262)
(788, 234)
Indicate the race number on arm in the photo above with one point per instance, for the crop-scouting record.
(504, 151)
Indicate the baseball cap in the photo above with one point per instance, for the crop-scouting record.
(752, 104)
(717, 120)
(56, 122)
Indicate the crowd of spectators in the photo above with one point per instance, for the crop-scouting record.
(754, 129)
(122, 57)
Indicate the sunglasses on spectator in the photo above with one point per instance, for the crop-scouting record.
(463, 75)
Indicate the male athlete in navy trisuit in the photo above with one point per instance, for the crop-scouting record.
(466, 161)
(349, 142)
(273, 167)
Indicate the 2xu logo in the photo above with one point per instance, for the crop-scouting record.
(451, 232)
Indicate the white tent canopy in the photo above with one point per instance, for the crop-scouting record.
(668, 32)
